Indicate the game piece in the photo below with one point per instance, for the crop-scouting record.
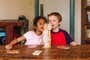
(47, 36)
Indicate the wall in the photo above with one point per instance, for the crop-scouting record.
(61, 6)
(78, 21)
(11, 9)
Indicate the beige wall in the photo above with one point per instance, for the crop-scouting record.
(11, 9)
(78, 21)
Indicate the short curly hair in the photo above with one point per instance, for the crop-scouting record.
(58, 15)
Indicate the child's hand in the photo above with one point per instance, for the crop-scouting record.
(63, 47)
(48, 26)
(73, 44)
(32, 46)
(8, 47)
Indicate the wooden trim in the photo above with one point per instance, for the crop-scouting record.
(72, 17)
(36, 7)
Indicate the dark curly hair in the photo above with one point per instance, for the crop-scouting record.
(37, 18)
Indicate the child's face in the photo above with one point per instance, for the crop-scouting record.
(40, 25)
(53, 20)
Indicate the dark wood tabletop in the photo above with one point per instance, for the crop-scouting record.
(74, 53)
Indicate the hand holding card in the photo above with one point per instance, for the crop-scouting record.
(47, 27)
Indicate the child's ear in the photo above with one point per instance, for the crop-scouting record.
(59, 23)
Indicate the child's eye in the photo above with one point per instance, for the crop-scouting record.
(41, 24)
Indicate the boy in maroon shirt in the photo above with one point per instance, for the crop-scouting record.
(59, 37)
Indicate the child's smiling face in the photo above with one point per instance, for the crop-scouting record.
(53, 20)
(40, 25)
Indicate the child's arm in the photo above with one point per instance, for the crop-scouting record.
(73, 43)
(13, 42)
(69, 39)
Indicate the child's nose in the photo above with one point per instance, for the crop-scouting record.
(51, 22)
(42, 27)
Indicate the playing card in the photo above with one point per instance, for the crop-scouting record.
(37, 52)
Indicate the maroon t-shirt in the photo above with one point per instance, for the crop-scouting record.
(60, 38)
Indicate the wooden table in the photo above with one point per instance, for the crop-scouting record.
(9, 28)
(25, 53)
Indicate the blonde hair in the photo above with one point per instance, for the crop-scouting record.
(57, 15)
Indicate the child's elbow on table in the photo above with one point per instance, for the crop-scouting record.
(73, 43)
